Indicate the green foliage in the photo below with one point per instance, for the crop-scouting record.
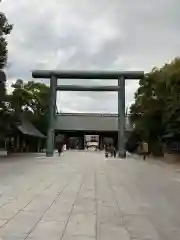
(32, 100)
(5, 29)
(39, 104)
(156, 110)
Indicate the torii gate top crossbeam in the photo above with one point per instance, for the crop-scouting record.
(88, 74)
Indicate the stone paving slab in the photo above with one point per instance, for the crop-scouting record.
(125, 202)
(11, 236)
(2, 222)
(140, 227)
(82, 224)
(21, 224)
(109, 215)
(77, 237)
(47, 230)
(85, 205)
(107, 232)
(82, 196)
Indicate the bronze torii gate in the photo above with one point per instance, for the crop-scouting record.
(120, 76)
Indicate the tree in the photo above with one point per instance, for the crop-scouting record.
(2, 89)
(156, 110)
(39, 104)
(172, 111)
(5, 29)
(32, 100)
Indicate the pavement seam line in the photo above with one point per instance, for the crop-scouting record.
(117, 204)
(59, 193)
(72, 208)
(96, 206)
(20, 195)
(26, 205)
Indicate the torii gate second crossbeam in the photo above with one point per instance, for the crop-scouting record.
(120, 76)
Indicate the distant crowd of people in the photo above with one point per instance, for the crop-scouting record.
(110, 149)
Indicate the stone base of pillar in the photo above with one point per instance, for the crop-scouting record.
(122, 155)
(49, 154)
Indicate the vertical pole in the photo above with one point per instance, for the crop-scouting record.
(17, 143)
(100, 142)
(121, 118)
(52, 109)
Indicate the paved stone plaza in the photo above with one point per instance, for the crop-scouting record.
(82, 196)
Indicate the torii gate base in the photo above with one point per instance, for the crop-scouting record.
(121, 76)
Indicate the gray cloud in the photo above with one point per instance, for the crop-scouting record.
(89, 34)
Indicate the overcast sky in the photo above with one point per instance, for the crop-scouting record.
(91, 34)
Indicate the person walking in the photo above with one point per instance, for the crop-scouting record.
(145, 150)
(114, 152)
(106, 150)
(111, 150)
(60, 149)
